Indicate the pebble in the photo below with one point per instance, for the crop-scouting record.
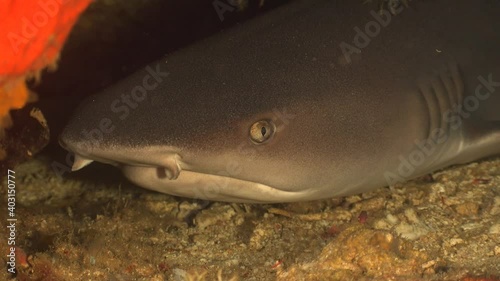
(467, 209)
(411, 231)
(495, 229)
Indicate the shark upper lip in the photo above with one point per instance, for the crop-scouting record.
(169, 169)
(168, 166)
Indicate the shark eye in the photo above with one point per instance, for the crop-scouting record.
(261, 131)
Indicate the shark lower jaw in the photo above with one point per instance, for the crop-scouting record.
(211, 187)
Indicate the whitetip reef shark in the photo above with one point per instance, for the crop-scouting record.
(312, 100)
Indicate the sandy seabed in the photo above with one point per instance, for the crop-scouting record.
(94, 225)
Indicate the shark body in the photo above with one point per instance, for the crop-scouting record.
(315, 99)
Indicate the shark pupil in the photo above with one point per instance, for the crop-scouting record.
(261, 131)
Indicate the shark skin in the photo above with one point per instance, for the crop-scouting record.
(312, 100)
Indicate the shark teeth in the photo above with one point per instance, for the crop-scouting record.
(80, 162)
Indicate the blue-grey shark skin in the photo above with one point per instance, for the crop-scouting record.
(343, 115)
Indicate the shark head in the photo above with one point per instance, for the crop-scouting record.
(222, 140)
(277, 110)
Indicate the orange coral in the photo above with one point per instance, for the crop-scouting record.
(32, 33)
(13, 94)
